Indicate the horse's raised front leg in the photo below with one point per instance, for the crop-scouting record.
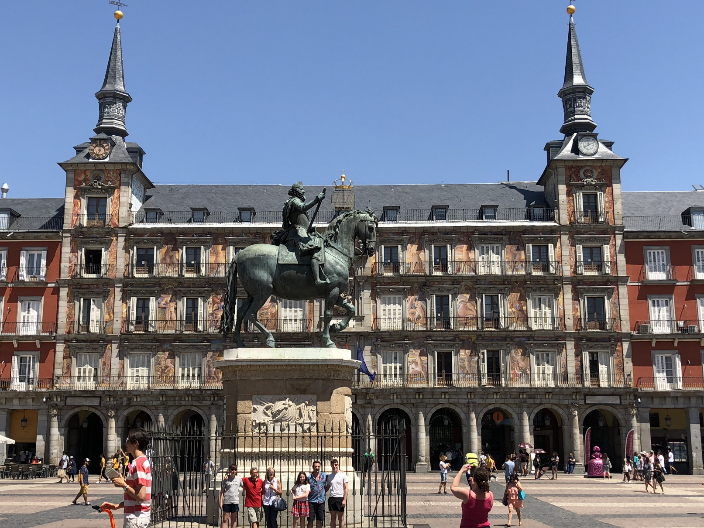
(251, 316)
(339, 327)
(240, 317)
(330, 301)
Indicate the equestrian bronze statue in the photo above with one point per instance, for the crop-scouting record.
(300, 265)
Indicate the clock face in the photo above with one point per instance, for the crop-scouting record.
(99, 150)
(588, 145)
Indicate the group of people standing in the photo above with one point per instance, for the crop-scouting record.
(264, 498)
(649, 468)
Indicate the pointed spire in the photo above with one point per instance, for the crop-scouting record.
(576, 93)
(112, 97)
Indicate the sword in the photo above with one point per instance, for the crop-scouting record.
(315, 213)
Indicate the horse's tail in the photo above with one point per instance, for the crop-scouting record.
(227, 320)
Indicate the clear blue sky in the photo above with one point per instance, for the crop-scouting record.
(392, 91)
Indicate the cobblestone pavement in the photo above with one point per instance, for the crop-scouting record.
(570, 501)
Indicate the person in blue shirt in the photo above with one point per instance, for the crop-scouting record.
(316, 497)
(509, 466)
(83, 481)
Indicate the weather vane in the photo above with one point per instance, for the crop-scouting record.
(118, 13)
(118, 4)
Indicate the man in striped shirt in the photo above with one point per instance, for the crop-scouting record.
(137, 486)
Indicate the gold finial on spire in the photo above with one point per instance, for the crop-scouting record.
(118, 14)
(342, 183)
(571, 9)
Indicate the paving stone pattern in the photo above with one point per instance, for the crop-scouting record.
(571, 501)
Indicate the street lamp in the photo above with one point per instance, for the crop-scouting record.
(600, 421)
(668, 420)
(23, 421)
(85, 423)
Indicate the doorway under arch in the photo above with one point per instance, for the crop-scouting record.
(605, 433)
(358, 443)
(389, 427)
(191, 430)
(137, 418)
(85, 439)
(547, 434)
(446, 436)
(497, 434)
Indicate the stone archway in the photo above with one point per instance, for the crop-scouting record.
(388, 429)
(445, 435)
(605, 432)
(84, 438)
(498, 433)
(547, 433)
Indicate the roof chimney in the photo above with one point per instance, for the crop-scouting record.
(5, 189)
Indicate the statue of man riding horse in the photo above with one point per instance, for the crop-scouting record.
(299, 265)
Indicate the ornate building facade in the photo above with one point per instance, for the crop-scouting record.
(493, 314)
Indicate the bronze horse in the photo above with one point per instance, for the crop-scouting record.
(261, 276)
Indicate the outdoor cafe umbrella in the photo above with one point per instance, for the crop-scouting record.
(6, 440)
(539, 451)
(525, 445)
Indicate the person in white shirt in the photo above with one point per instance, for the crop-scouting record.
(272, 491)
(337, 484)
(230, 497)
(661, 459)
(63, 467)
(208, 468)
(670, 462)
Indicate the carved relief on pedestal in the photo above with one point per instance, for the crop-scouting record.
(274, 413)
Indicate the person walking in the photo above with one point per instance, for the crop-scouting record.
(606, 467)
(512, 500)
(658, 477)
(508, 467)
(83, 481)
(477, 501)
(338, 485)
(661, 459)
(254, 489)
(636, 467)
(537, 467)
(491, 467)
(272, 491)
(72, 469)
(62, 473)
(626, 470)
(648, 474)
(101, 475)
(316, 497)
(554, 461)
(208, 469)
(137, 487)
(671, 462)
(230, 497)
(571, 462)
(444, 466)
(300, 492)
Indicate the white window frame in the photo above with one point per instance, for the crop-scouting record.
(661, 380)
(296, 324)
(698, 262)
(607, 310)
(201, 309)
(382, 266)
(435, 374)
(451, 306)
(151, 322)
(190, 376)
(83, 378)
(17, 382)
(200, 272)
(541, 322)
(84, 208)
(606, 367)
(94, 327)
(24, 325)
(659, 324)
(138, 379)
(390, 315)
(503, 323)
(579, 203)
(503, 359)
(438, 269)
(133, 259)
(489, 257)
(83, 265)
(22, 272)
(543, 373)
(657, 263)
(552, 265)
(3, 263)
(392, 369)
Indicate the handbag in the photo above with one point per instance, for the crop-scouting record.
(504, 501)
(280, 504)
(521, 495)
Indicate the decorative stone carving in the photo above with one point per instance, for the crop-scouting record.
(111, 413)
(274, 413)
(53, 411)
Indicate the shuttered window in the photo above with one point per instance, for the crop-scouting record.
(390, 312)
(656, 264)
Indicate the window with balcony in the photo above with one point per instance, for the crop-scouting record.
(390, 314)
(595, 313)
(142, 314)
(542, 312)
(443, 316)
(544, 368)
(660, 309)
(152, 216)
(144, 261)
(25, 371)
(697, 216)
(86, 370)
(30, 318)
(597, 368)
(439, 213)
(492, 312)
(443, 367)
(392, 367)
(192, 317)
(3, 264)
(440, 261)
(32, 265)
(92, 261)
(96, 211)
(391, 263)
(199, 216)
(541, 259)
(656, 264)
(246, 215)
(489, 212)
(139, 369)
(390, 214)
(90, 315)
(192, 261)
(492, 362)
(489, 259)
(698, 263)
(591, 260)
(294, 316)
(189, 369)
(667, 371)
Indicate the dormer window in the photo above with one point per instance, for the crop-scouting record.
(5, 220)
(439, 212)
(152, 216)
(489, 212)
(246, 215)
(390, 214)
(696, 218)
(198, 216)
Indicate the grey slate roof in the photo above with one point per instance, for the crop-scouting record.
(661, 210)
(114, 72)
(35, 213)
(574, 67)
(118, 154)
(272, 197)
(570, 151)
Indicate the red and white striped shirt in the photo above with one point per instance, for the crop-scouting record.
(140, 473)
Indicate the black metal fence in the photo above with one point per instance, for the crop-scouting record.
(186, 494)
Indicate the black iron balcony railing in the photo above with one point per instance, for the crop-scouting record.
(480, 267)
(29, 274)
(667, 326)
(26, 384)
(28, 328)
(593, 268)
(672, 382)
(178, 380)
(400, 268)
(596, 324)
(91, 327)
(178, 269)
(589, 217)
(664, 272)
(97, 220)
(468, 324)
(92, 271)
(212, 326)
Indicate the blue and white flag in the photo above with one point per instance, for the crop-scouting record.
(363, 367)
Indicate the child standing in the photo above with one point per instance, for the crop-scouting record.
(443, 474)
(513, 488)
(607, 466)
(300, 491)
(626, 470)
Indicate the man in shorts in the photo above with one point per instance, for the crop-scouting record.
(254, 489)
(230, 497)
(316, 497)
(83, 475)
(337, 483)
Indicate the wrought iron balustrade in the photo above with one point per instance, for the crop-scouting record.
(26, 384)
(97, 220)
(28, 328)
(667, 326)
(29, 274)
(673, 382)
(90, 327)
(596, 324)
(593, 268)
(178, 269)
(590, 218)
(663, 272)
(92, 271)
(179, 380)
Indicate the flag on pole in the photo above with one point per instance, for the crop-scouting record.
(363, 367)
